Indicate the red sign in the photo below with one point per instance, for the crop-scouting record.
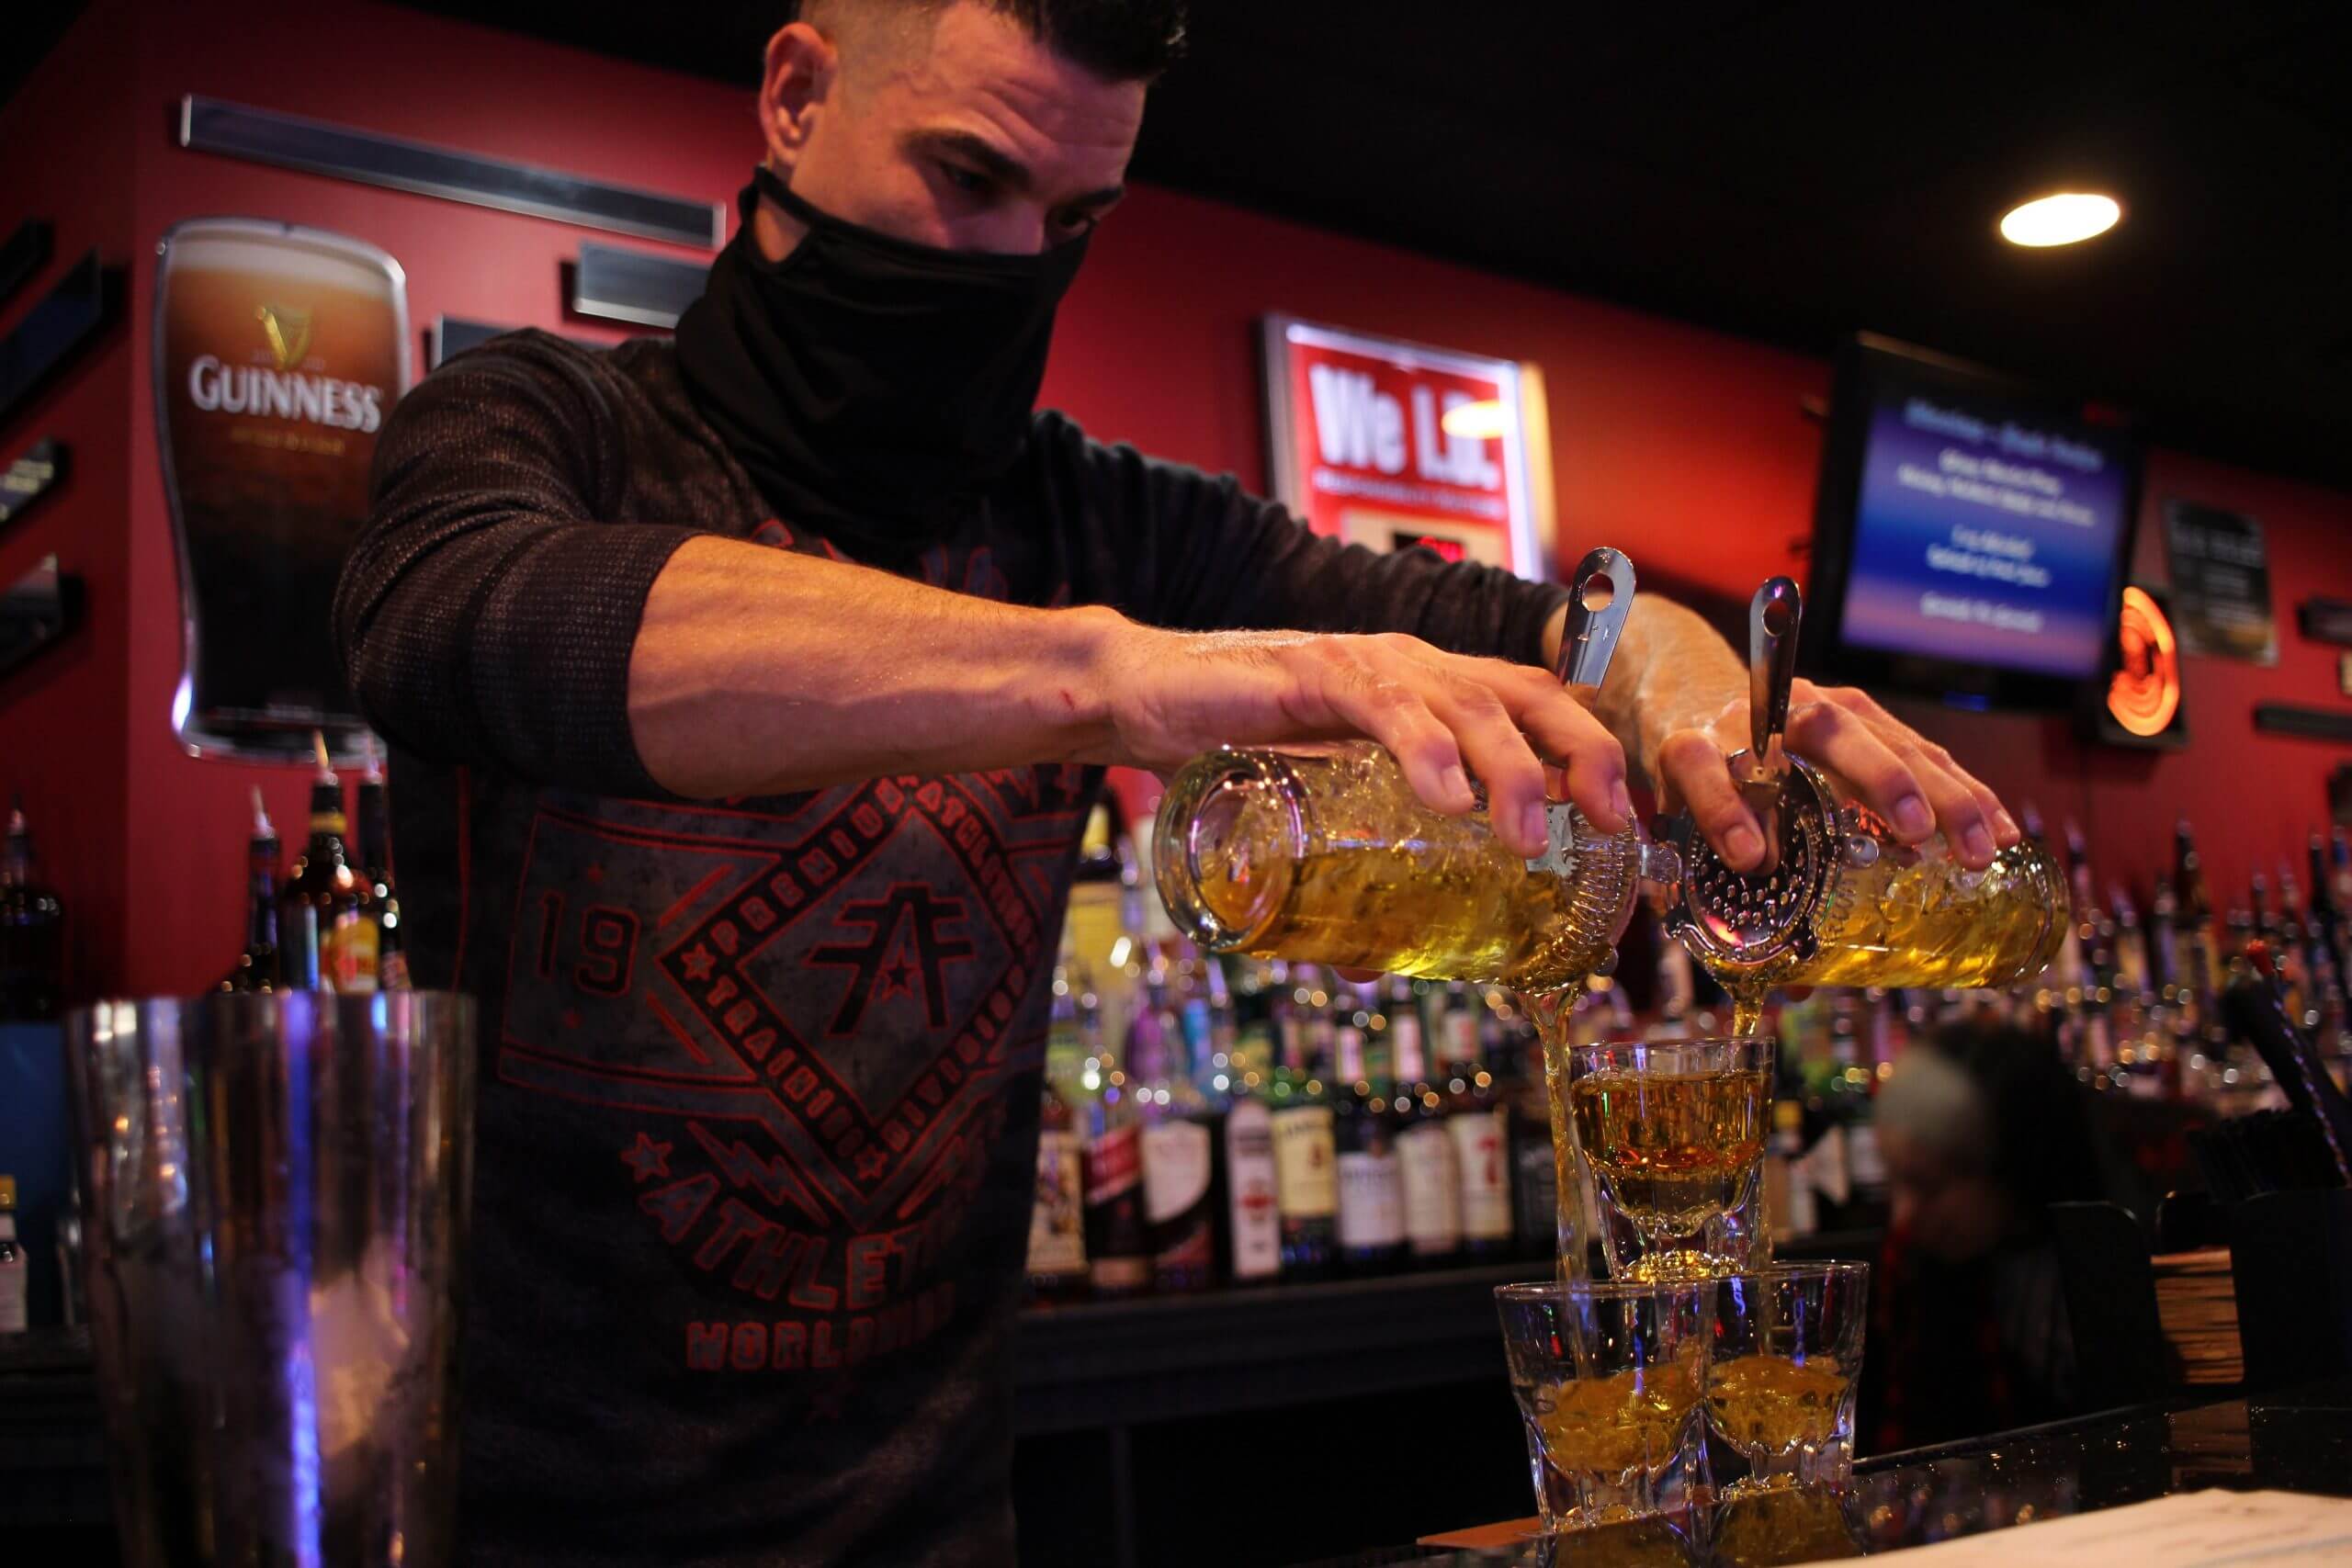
(1391, 445)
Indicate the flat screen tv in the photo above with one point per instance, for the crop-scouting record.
(1971, 533)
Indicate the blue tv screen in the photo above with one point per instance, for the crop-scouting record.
(1971, 529)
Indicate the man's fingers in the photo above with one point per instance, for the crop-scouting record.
(1394, 714)
(1497, 753)
(1695, 770)
(1967, 825)
(1852, 747)
(1589, 765)
(1926, 758)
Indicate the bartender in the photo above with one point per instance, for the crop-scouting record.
(748, 694)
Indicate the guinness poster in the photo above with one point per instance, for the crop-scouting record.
(279, 351)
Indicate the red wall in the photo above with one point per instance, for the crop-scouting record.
(1686, 448)
(63, 737)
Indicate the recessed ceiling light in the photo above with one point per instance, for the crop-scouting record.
(2060, 220)
(1482, 420)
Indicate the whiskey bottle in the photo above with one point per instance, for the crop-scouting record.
(1424, 1149)
(326, 921)
(1118, 1248)
(1178, 1146)
(376, 872)
(32, 931)
(1306, 1178)
(1371, 1180)
(257, 968)
(1251, 1249)
(1479, 1126)
(1057, 1213)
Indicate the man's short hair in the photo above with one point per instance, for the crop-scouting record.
(1124, 41)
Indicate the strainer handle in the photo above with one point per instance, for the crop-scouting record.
(1589, 639)
(1773, 617)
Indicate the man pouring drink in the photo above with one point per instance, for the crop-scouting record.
(746, 695)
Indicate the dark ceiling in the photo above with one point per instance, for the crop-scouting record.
(1791, 171)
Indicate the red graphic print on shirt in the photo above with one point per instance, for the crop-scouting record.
(810, 1014)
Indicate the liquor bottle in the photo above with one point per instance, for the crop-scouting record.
(1480, 1128)
(376, 870)
(1305, 1174)
(2132, 977)
(2093, 960)
(1254, 990)
(2291, 947)
(325, 924)
(32, 931)
(1058, 1217)
(1424, 1150)
(1118, 1246)
(1372, 1179)
(2164, 971)
(1797, 1216)
(256, 968)
(1178, 1146)
(2340, 863)
(2199, 931)
(15, 1280)
(2328, 912)
(1250, 1246)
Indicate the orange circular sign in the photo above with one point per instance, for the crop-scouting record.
(2146, 691)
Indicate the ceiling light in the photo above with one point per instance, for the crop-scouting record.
(2060, 220)
(1481, 421)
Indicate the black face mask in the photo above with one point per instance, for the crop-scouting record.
(871, 387)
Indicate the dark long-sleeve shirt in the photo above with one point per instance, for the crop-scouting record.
(759, 1077)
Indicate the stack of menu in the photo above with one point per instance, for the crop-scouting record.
(2196, 1306)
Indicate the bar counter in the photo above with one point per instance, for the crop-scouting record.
(53, 1490)
(2294, 1440)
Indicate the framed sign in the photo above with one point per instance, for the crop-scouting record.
(280, 350)
(2221, 582)
(1391, 445)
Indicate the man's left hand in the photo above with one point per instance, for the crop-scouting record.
(1900, 773)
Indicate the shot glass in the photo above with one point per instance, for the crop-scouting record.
(1787, 1356)
(1610, 1379)
(1775, 1525)
(1671, 1136)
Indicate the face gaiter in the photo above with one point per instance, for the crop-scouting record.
(871, 388)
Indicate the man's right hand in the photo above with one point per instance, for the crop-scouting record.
(1167, 696)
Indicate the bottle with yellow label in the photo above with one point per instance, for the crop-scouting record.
(327, 925)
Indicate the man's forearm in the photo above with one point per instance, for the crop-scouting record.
(757, 671)
(1672, 672)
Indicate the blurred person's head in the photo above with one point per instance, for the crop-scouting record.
(996, 126)
(1981, 1129)
(1935, 1133)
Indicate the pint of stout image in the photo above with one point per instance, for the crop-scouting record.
(279, 352)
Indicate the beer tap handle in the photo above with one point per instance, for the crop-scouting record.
(1773, 618)
(1600, 596)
